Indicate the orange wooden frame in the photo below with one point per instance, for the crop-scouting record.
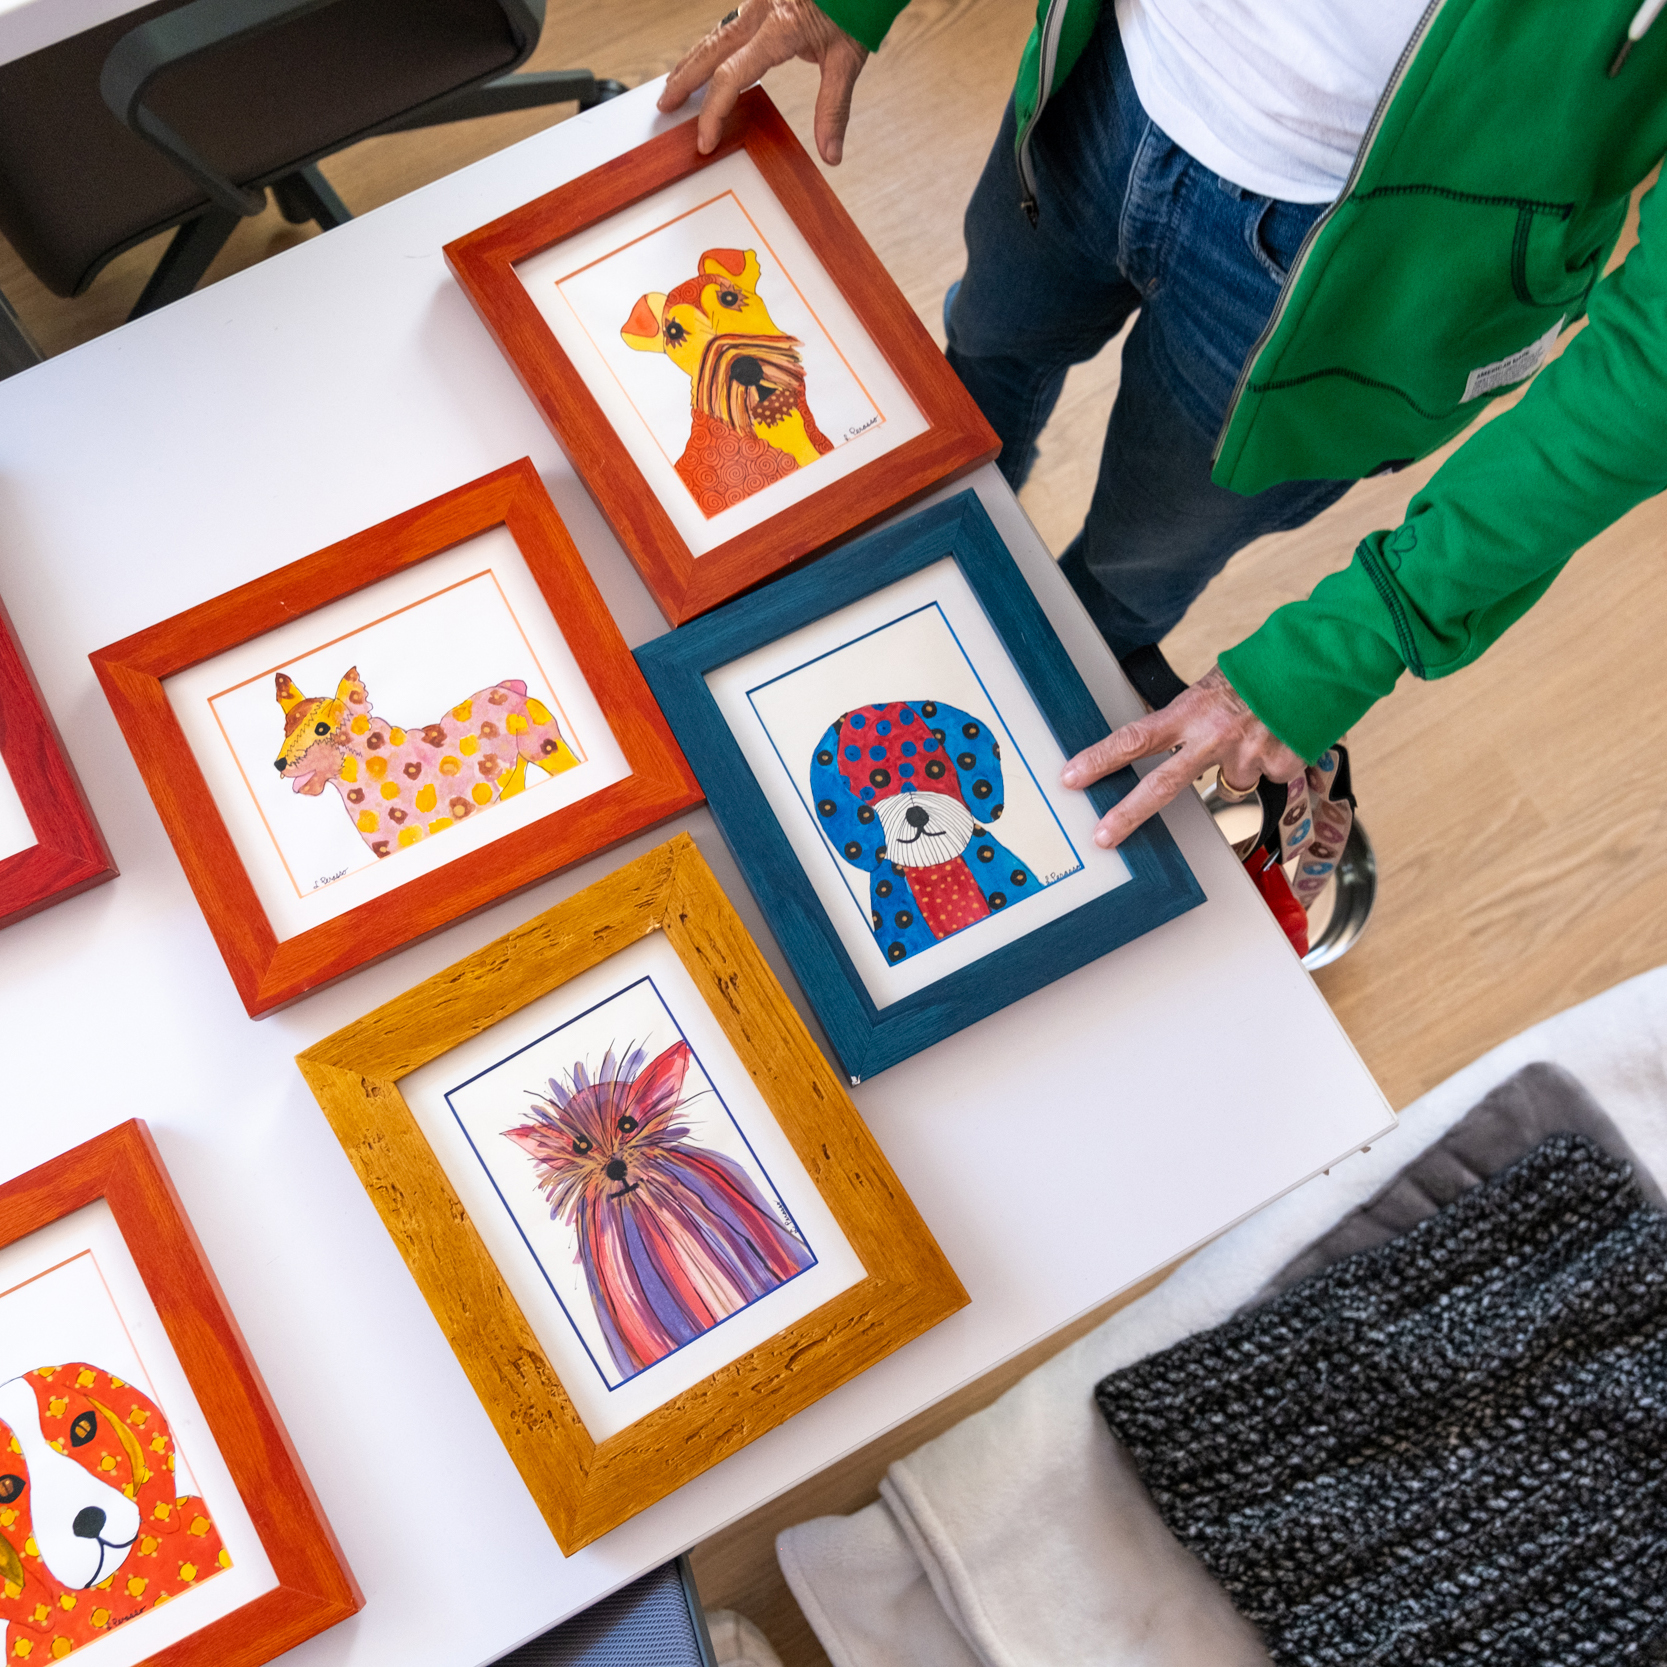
(69, 854)
(956, 439)
(315, 1588)
(268, 973)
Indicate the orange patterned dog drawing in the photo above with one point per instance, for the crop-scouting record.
(749, 422)
(402, 785)
(92, 1530)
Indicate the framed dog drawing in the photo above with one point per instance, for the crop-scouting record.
(50, 846)
(636, 1197)
(880, 739)
(731, 371)
(372, 742)
(150, 1502)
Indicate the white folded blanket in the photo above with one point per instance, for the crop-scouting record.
(1023, 1538)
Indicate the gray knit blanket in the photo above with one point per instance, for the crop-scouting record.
(1451, 1448)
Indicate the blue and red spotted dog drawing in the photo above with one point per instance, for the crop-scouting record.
(905, 790)
(93, 1530)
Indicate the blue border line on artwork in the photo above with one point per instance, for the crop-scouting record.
(781, 1203)
(867, 1038)
(842, 867)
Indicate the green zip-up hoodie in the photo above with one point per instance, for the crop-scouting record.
(1486, 198)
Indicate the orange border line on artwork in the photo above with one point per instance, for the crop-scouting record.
(781, 267)
(11, 1289)
(358, 630)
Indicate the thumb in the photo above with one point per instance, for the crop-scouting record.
(840, 69)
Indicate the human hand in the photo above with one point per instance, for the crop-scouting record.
(754, 38)
(1207, 724)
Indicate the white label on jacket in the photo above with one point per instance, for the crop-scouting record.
(1516, 368)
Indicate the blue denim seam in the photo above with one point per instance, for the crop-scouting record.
(1253, 237)
(1131, 190)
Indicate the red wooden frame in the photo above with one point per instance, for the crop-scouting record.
(957, 437)
(268, 973)
(315, 1588)
(69, 854)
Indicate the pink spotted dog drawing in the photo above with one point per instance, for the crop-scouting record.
(401, 785)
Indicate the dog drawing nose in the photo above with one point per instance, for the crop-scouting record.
(615, 1170)
(746, 370)
(917, 816)
(278, 765)
(89, 1523)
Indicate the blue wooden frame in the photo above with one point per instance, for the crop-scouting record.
(869, 1038)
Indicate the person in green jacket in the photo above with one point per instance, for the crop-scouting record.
(1347, 225)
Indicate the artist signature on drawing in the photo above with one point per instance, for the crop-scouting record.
(328, 879)
(1056, 874)
(861, 428)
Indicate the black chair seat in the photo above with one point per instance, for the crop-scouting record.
(77, 187)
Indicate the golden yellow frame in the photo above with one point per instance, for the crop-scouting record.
(586, 1487)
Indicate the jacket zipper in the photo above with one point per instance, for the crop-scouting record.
(1053, 24)
(1403, 63)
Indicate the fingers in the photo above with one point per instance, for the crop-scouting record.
(1171, 778)
(1208, 724)
(694, 69)
(1156, 732)
(840, 70)
(773, 43)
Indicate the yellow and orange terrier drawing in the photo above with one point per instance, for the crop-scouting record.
(749, 422)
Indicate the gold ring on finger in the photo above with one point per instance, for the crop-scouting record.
(1229, 789)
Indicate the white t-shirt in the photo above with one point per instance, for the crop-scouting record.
(1274, 95)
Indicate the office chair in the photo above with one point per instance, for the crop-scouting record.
(17, 347)
(186, 112)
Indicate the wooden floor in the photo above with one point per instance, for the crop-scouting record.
(1518, 810)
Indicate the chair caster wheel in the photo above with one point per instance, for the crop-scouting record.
(604, 91)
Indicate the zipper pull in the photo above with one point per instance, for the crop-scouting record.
(1028, 202)
(1636, 30)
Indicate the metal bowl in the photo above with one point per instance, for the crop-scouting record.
(1337, 917)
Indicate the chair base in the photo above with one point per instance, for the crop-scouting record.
(306, 195)
(186, 259)
(17, 347)
(302, 196)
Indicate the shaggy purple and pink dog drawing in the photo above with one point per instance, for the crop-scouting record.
(403, 785)
(672, 1236)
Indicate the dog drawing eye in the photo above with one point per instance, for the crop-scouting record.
(83, 1429)
(580, 1145)
(321, 729)
(729, 298)
(675, 333)
(10, 1488)
(627, 1125)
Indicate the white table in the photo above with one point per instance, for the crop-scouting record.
(28, 25)
(1059, 1151)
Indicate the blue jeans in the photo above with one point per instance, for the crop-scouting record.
(1127, 219)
